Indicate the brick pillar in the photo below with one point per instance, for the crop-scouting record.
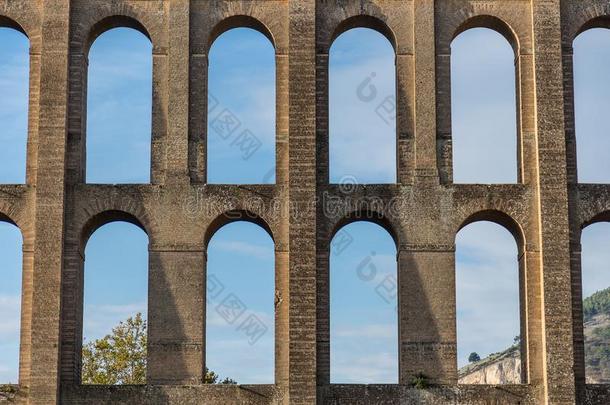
(198, 117)
(570, 114)
(302, 191)
(323, 304)
(176, 313)
(532, 343)
(322, 118)
(281, 118)
(426, 323)
(177, 146)
(50, 194)
(526, 103)
(557, 331)
(160, 144)
(282, 355)
(405, 112)
(25, 345)
(425, 90)
(33, 109)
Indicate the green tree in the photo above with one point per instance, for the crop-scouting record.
(213, 378)
(474, 357)
(118, 358)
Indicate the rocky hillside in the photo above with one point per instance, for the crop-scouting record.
(497, 368)
(505, 367)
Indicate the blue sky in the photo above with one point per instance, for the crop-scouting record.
(362, 142)
(483, 108)
(119, 106)
(361, 61)
(246, 92)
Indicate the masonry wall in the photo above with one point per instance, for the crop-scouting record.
(545, 211)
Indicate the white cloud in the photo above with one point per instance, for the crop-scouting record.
(361, 143)
(10, 309)
(377, 367)
(483, 108)
(9, 337)
(244, 248)
(367, 331)
(100, 319)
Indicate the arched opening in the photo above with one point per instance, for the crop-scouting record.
(362, 108)
(488, 305)
(14, 86)
(115, 291)
(10, 301)
(240, 319)
(483, 108)
(241, 108)
(591, 104)
(119, 108)
(595, 257)
(363, 305)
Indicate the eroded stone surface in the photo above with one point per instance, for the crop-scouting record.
(56, 212)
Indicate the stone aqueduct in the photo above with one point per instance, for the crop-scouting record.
(56, 211)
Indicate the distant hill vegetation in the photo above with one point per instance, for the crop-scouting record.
(596, 311)
(597, 304)
(505, 367)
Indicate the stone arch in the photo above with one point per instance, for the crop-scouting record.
(593, 16)
(27, 234)
(231, 216)
(509, 224)
(85, 220)
(7, 22)
(145, 47)
(25, 291)
(240, 21)
(578, 141)
(95, 20)
(100, 219)
(114, 207)
(602, 21)
(468, 137)
(17, 214)
(500, 218)
(515, 28)
(463, 19)
(28, 168)
(493, 23)
(7, 219)
(117, 15)
(580, 274)
(603, 216)
(366, 272)
(272, 289)
(219, 91)
(363, 21)
(26, 19)
(109, 23)
(78, 289)
(366, 215)
(327, 136)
